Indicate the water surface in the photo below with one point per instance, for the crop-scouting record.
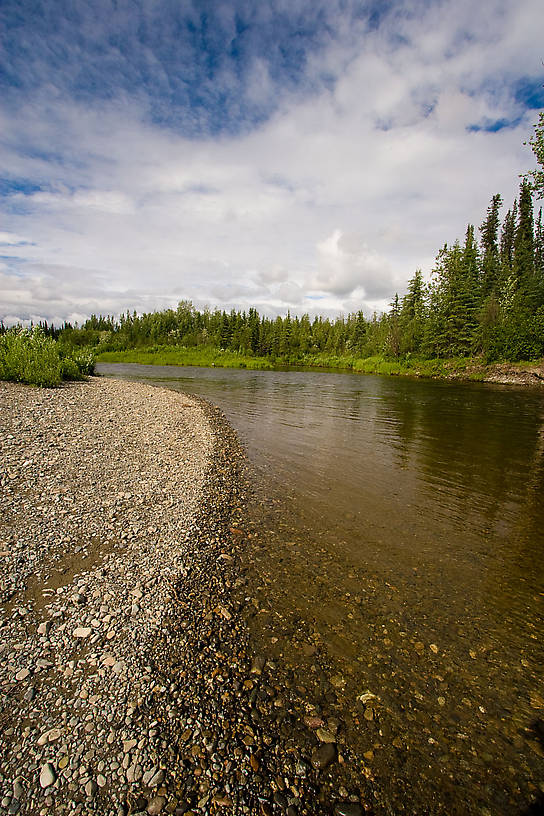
(400, 548)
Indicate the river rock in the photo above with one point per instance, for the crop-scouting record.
(156, 805)
(22, 674)
(348, 809)
(82, 632)
(48, 775)
(324, 756)
(323, 735)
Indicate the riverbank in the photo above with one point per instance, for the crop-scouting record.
(128, 680)
(463, 369)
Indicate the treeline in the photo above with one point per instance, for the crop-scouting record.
(485, 297)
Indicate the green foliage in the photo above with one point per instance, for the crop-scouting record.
(537, 145)
(491, 262)
(517, 338)
(30, 356)
(169, 355)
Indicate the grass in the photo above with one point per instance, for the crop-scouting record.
(29, 356)
(169, 355)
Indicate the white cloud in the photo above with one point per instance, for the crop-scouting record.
(342, 194)
(11, 239)
(347, 264)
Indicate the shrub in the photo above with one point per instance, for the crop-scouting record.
(29, 356)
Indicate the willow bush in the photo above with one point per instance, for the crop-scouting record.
(29, 356)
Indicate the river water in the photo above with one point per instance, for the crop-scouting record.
(398, 551)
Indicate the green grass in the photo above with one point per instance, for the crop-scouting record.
(28, 356)
(165, 355)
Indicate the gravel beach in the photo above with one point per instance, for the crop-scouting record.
(128, 680)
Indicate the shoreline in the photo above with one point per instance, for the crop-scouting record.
(526, 374)
(129, 683)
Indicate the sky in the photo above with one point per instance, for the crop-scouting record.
(302, 155)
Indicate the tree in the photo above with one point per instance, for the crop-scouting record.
(412, 315)
(490, 247)
(537, 145)
(450, 329)
(507, 241)
(524, 250)
(539, 259)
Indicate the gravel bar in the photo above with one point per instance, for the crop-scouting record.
(128, 680)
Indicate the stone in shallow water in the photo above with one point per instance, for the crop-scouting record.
(18, 791)
(91, 788)
(348, 809)
(157, 779)
(323, 735)
(323, 756)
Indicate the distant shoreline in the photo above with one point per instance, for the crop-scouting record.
(461, 369)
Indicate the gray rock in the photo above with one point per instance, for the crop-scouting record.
(157, 779)
(48, 775)
(18, 790)
(91, 788)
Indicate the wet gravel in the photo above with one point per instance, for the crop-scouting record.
(129, 681)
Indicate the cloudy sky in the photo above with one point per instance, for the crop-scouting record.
(286, 154)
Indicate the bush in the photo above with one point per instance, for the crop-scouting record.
(517, 339)
(29, 356)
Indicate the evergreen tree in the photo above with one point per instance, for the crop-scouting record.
(508, 235)
(412, 314)
(225, 331)
(539, 259)
(490, 248)
(523, 262)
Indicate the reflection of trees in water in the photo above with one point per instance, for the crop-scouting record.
(480, 452)
(476, 445)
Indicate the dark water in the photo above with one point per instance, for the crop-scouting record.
(402, 538)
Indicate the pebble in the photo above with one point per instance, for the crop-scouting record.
(48, 775)
(323, 756)
(22, 674)
(156, 805)
(348, 809)
(82, 632)
(325, 736)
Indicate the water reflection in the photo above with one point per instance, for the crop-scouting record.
(437, 467)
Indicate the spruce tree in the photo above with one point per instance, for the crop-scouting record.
(489, 229)
(412, 314)
(523, 264)
(539, 260)
(508, 234)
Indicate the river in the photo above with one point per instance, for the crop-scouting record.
(398, 552)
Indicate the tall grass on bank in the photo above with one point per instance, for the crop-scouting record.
(205, 356)
(29, 356)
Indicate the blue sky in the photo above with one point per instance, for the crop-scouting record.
(302, 155)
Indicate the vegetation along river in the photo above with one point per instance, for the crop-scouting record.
(396, 551)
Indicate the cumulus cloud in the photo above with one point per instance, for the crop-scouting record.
(347, 264)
